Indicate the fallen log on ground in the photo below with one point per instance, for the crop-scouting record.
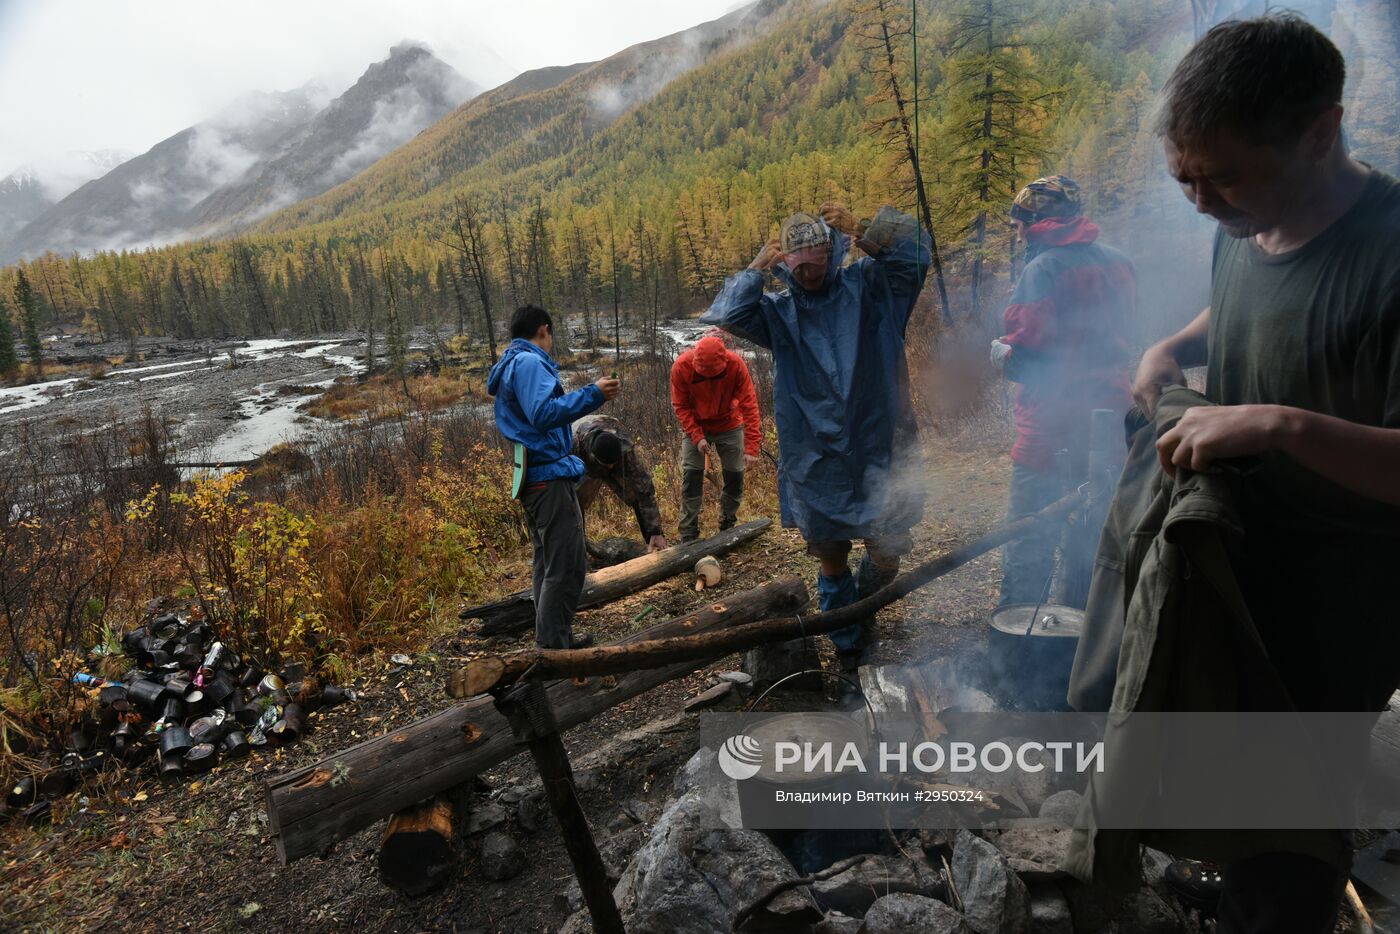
(483, 674)
(516, 613)
(313, 807)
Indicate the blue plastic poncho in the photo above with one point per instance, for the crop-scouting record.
(850, 465)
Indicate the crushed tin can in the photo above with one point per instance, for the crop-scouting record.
(245, 713)
(136, 641)
(214, 659)
(270, 715)
(173, 710)
(270, 684)
(210, 728)
(249, 676)
(23, 793)
(84, 764)
(124, 738)
(196, 703)
(187, 654)
(290, 728)
(164, 621)
(175, 740)
(201, 757)
(236, 745)
(172, 766)
(146, 693)
(334, 694)
(57, 783)
(259, 734)
(220, 688)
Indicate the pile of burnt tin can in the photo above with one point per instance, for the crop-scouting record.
(187, 703)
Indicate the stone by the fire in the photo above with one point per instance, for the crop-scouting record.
(994, 898)
(902, 912)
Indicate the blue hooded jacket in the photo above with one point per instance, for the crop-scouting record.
(850, 465)
(533, 409)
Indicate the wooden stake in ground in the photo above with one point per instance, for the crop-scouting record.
(484, 674)
(516, 613)
(526, 707)
(313, 807)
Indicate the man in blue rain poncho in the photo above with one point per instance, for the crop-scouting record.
(850, 463)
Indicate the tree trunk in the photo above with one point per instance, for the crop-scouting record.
(483, 674)
(419, 848)
(313, 807)
(516, 613)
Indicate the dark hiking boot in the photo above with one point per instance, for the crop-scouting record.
(1197, 884)
(688, 536)
(849, 662)
(582, 640)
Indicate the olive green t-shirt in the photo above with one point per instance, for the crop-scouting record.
(1317, 328)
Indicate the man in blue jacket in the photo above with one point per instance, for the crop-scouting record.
(533, 410)
(850, 465)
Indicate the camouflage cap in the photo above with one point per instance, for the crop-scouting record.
(802, 230)
(1052, 196)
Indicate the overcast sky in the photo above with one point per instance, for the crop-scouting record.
(125, 74)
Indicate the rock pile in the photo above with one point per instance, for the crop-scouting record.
(700, 872)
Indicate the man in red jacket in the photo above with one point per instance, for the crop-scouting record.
(1066, 349)
(714, 398)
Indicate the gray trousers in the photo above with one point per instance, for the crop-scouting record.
(1028, 561)
(729, 447)
(560, 561)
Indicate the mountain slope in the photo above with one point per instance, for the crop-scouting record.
(29, 191)
(393, 100)
(538, 116)
(264, 152)
(147, 199)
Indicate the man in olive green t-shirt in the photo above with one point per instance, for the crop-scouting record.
(1302, 349)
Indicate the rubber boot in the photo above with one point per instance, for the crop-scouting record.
(871, 578)
(833, 593)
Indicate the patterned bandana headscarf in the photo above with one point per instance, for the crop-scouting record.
(1054, 196)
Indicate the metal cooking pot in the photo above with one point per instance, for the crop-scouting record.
(1031, 658)
(756, 794)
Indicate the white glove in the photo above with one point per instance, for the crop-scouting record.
(1000, 351)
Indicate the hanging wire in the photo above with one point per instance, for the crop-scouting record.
(918, 175)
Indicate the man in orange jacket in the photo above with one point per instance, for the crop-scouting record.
(714, 398)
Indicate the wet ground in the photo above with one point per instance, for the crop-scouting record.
(228, 400)
(198, 856)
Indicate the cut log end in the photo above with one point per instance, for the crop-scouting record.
(418, 852)
(478, 677)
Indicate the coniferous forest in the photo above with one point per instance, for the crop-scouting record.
(628, 186)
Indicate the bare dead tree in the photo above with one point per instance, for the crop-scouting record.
(468, 228)
(880, 27)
